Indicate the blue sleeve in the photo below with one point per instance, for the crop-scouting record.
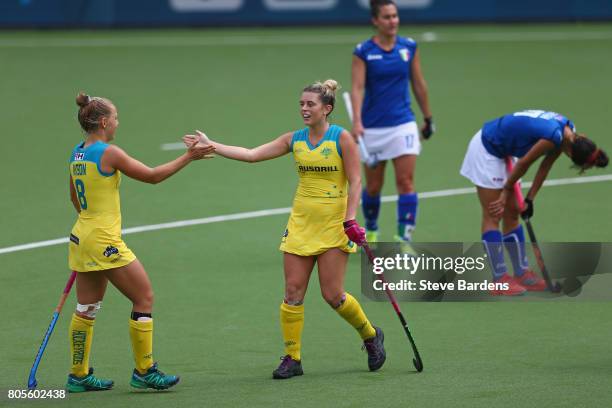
(296, 136)
(360, 51)
(557, 134)
(411, 44)
(556, 137)
(551, 130)
(335, 133)
(94, 154)
(73, 152)
(565, 121)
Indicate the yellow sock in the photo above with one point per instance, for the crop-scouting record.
(141, 334)
(80, 335)
(292, 322)
(351, 311)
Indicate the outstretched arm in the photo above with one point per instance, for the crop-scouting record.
(115, 158)
(270, 150)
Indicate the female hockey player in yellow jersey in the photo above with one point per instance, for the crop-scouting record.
(96, 250)
(322, 227)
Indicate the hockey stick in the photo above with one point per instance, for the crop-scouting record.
(518, 194)
(32, 379)
(418, 363)
(363, 151)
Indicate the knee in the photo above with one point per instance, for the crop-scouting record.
(405, 183)
(510, 223)
(294, 293)
(144, 302)
(332, 297)
(88, 311)
(373, 185)
(490, 223)
(511, 214)
(149, 298)
(373, 188)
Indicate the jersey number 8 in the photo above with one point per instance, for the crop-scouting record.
(80, 190)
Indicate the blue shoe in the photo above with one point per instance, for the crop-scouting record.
(153, 378)
(288, 368)
(376, 350)
(87, 383)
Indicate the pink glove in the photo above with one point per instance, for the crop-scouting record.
(354, 232)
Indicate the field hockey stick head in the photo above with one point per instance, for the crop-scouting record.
(418, 364)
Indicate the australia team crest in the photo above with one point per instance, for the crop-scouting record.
(326, 152)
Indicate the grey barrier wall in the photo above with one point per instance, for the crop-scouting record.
(156, 13)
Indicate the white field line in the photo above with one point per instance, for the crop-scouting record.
(287, 210)
(173, 146)
(270, 40)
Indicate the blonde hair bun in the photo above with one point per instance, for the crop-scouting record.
(331, 84)
(82, 99)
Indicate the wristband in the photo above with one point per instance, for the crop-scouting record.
(348, 223)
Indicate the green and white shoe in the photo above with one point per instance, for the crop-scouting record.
(87, 383)
(371, 236)
(153, 378)
(405, 247)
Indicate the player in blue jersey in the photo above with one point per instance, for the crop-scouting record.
(385, 66)
(525, 136)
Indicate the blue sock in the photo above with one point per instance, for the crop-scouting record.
(371, 208)
(406, 214)
(515, 244)
(492, 241)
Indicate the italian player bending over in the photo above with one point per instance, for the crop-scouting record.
(97, 252)
(525, 136)
(322, 227)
